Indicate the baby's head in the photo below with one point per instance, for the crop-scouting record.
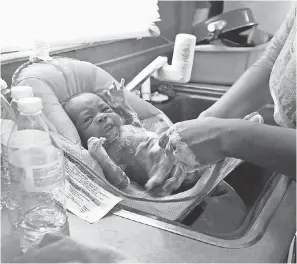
(92, 117)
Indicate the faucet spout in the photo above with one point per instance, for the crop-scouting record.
(146, 73)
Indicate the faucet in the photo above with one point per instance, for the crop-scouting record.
(146, 73)
(179, 71)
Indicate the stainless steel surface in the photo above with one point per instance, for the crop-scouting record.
(260, 189)
(254, 231)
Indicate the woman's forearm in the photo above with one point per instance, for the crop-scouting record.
(249, 93)
(266, 146)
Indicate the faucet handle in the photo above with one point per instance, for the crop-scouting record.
(215, 29)
(216, 26)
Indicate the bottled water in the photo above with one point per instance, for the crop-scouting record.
(20, 92)
(37, 176)
(17, 93)
(7, 122)
(6, 128)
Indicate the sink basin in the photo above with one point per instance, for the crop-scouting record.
(247, 179)
(191, 101)
(261, 190)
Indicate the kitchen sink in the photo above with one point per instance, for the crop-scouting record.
(247, 179)
(260, 189)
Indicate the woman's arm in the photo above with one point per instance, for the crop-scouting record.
(266, 146)
(213, 139)
(249, 93)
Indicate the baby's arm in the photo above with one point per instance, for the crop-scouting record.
(114, 174)
(115, 97)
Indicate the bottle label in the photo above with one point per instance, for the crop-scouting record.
(41, 177)
(45, 176)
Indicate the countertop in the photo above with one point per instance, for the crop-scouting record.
(148, 244)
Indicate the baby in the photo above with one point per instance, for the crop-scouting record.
(123, 148)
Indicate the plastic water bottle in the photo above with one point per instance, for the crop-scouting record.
(7, 123)
(6, 128)
(17, 93)
(20, 92)
(37, 176)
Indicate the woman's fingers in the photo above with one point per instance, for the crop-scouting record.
(163, 140)
(166, 143)
(176, 180)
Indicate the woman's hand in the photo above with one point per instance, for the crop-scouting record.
(203, 136)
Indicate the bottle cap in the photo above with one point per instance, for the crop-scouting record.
(19, 92)
(30, 105)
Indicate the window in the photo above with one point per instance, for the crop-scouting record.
(62, 23)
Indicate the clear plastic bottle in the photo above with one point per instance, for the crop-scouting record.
(7, 123)
(37, 176)
(20, 92)
(17, 93)
(5, 91)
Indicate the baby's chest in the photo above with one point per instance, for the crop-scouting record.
(124, 151)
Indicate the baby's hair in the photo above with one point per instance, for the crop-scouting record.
(69, 99)
(76, 95)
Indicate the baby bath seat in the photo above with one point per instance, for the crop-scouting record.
(59, 78)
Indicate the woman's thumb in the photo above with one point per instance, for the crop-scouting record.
(163, 140)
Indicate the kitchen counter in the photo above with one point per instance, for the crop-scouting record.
(149, 244)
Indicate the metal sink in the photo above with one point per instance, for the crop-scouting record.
(261, 190)
(193, 99)
(248, 180)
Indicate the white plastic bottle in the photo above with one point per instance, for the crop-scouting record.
(17, 93)
(37, 176)
(180, 70)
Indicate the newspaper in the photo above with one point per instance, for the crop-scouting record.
(85, 198)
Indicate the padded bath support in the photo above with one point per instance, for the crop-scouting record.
(56, 80)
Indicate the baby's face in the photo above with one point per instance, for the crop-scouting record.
(92, 117)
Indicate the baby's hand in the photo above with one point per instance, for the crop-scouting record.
(114, 95)
(95, 147)
(113, 173)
